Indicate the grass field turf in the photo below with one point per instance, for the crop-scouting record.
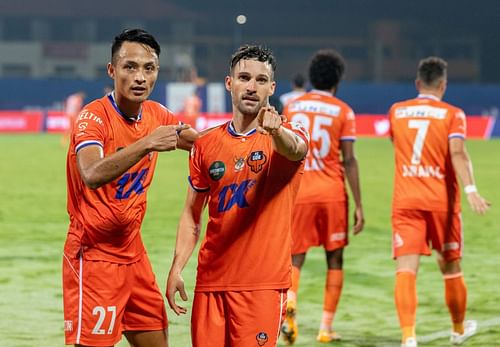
(33, 224)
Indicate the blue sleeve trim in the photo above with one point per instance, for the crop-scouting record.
(87, 143)
(457, 136)
(199, 190)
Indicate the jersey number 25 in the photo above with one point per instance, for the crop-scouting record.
(319, 134)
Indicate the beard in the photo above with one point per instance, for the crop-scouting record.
(250, 110)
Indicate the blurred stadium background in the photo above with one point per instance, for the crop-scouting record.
(53, 48)
(50, 49)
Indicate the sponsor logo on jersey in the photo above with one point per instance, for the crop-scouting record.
(90, 116)
(421, 111)
(315, 106)
(261, 338)
(234, 194)
(216, 170)
(82, 126)
(256, 161)
(422, 171)
(239, 163)
(131, 182)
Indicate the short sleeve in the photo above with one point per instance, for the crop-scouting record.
(89, 129)
(197, 173)
(391, 122)
(348, 132)
(458, 127)
(168, 118)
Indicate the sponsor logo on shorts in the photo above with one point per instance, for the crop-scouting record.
(338, 236)
(397, 241)
(256, 161)
(217, 170)
(261, 338)
(68, 325)
(451, 246)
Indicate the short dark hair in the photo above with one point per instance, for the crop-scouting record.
(299, 80)
(326, 69)
(134, 35)
(256, 52)
(431, 70)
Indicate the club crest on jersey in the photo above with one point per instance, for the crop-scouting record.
(261, 338)
(216, 170)
(239, 163)
(256, 161)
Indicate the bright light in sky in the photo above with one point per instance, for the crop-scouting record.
(241, 19)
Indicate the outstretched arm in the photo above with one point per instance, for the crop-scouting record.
(97, 170)
(187, 138)
(352, 173)
(463, 168)
(188, 233)
(285, 141)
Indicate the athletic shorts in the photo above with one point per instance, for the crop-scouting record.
(237, 319)
(319, 224)
(103, 299)
(417, 232)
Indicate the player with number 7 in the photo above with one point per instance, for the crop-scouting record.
(429, 144)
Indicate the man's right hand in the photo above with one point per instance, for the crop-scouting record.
(477, 203)
(164, 138)
(175, 283)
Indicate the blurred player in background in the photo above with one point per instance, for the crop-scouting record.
(107, 89)
(429, 143)
(108, 285)
(72, 107)
(191, 109)
(320, 216)
(248, 171)
(298, 89)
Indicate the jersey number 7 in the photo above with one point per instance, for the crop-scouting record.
(422, 126)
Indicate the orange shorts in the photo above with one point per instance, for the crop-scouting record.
(319, 224)
(103, 299)
(417, 231)
(237, 319)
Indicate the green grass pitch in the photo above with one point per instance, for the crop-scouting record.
(33, 224)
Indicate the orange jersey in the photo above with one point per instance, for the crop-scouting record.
(328, 121)
(106, 221)
(252, 190)
(424, 175)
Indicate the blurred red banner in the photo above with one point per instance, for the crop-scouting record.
(367, 125)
